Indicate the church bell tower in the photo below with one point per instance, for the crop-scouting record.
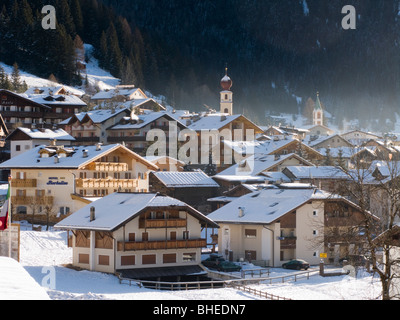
(226, 101)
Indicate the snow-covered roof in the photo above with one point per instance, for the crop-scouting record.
(212, 121)
(176, 179)
(265, 206)
(76, 159)
(127, 92)
(35, 90)
(255, 164)
(323, 172)
(45, 134)
(115, 209)
(57, 100)
(164, 160)
(144, 120)
(17, 284)
(264, 147)
(97, 116)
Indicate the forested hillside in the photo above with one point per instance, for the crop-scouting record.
(277, 51)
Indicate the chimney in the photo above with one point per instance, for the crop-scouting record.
(241, 212)
(92, 214)
(98, 147)
(85, 153)
(56, 159)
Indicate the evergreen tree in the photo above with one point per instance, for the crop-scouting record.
(16, 78)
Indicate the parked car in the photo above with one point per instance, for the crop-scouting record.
(217, 262)
(296, 264)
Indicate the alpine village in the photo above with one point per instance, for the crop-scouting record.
(104, 175)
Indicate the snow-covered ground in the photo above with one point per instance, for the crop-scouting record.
(45, 253)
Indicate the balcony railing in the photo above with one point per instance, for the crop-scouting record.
(109, 166)
(29, 200)
(24, 183)
(161, 245)
(162, 223)
(106, 183)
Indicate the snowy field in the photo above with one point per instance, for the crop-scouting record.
(41, 250)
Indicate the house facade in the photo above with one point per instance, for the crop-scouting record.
(23, 139)
(275, 225)
(142, 233)
(57, 180)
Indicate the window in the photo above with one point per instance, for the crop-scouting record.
(185, 235)
(149, 259)
(17, 147)
(315, 214)
(169, 258)
(189, 256)
(172, 235)
(145, 236)
(250, 233)
(64, 210)
(104, 260)
(128, 260)
(131, 237)
(21, 210)
(83, 258)
(315, 232)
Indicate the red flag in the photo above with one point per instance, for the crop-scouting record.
(4, 212)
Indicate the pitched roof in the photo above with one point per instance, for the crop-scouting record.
(96, 116)
(44, 134)
(265, 206)
(112, 211)
(256, 164)
(31, 159)
(176, 179)
(323, 172)
(145, 119)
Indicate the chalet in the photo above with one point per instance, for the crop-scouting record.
(127, 93)
(133, 129)
(274, 225)
(166, 163)
(92, 127)
(193, 188)
(58, 180)
(327, 178)
(383, 150)
(138, 236)
(127, 96)
(358, 137)
(262, 168)
(62, 103)
(333, 141)
(18, 109)
(39, 109)
(224, 126)
(23, 139)
(319, 130)
(277, 147)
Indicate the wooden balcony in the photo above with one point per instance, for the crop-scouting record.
(28, 200)
(162, 223)
(288, 243)
(23, 183)
(106, 183)
(161, 245)
(108, 166)
(126, 139)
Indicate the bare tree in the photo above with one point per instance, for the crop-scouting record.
(376, 190)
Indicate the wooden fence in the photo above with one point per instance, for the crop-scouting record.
(214, 284)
